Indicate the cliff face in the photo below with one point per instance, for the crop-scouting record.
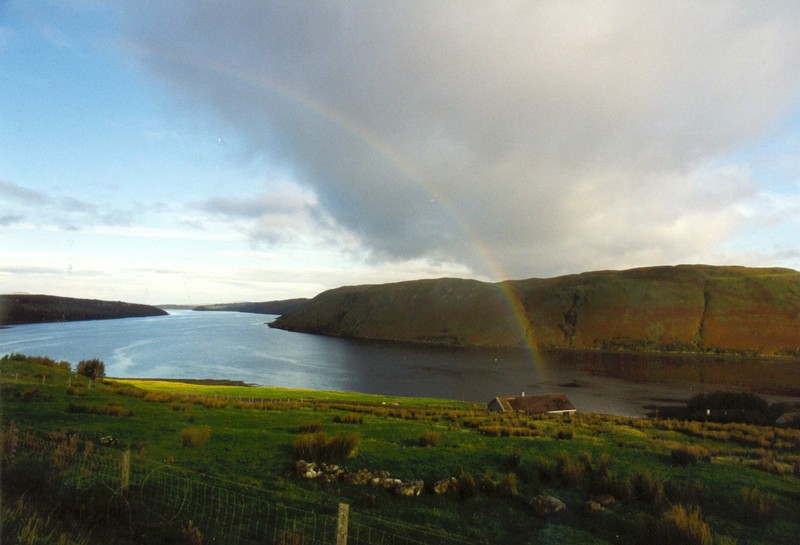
(688, 307)
(29, 309)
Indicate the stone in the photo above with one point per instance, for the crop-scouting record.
(603, 499)
(359, 478)
(546, 505)
(307, 470)
(592, 507)
(445, 486)
(411, 488)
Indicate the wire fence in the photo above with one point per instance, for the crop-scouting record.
(149, 499)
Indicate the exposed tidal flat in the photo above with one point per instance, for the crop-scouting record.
(239, 346)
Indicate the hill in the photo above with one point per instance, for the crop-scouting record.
(30, 309)
(695, 308)
(285, 306)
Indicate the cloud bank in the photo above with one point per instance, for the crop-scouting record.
(517, 138)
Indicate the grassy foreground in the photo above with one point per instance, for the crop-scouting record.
(671, 481)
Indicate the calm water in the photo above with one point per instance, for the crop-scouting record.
(238, 346)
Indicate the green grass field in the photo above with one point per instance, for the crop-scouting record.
(744, 479)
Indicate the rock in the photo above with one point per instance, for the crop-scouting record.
(445, 486)
(307, 470)
(603, 499)
(360, 477)
(109, 441)
(546, 505)
(411, 488)
(592, 507)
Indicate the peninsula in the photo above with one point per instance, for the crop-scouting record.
(31, 309)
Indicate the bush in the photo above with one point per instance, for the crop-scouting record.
(349, 419)
(568, 471)
(682, 526)
(93, 368)
(685, 455)
(646, 488)
(758, 505)
(319, 447)
(467, 485)
(507, 487)
(429, 439)
(312, 427)
(195, 436)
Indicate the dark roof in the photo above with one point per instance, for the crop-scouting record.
(536, 404)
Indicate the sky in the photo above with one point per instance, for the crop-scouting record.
(195, 151)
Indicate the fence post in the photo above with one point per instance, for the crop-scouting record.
(341, 524)
(125, 471)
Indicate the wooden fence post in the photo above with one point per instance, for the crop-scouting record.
(125, 471)
(341, 524)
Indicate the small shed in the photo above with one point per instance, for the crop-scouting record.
(539, 404)
(790, 419)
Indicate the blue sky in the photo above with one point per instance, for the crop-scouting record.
(195, 152)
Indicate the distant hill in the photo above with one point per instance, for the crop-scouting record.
(694, 308)
(285, 306)
(29, 309)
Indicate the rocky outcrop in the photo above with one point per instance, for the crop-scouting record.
(359, 477)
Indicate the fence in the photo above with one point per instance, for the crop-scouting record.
(150, 499)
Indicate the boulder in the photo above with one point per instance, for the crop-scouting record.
(603, 499)
(307, 470)
(592, 507)
(445, 486)
(360, 477)
(411, 488)
(546, 505)
(109, 441)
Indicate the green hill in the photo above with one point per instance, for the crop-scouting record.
(30, 309)
(687, 308)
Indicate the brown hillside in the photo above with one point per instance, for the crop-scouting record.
(688, 307)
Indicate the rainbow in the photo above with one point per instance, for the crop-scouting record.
(374, 142)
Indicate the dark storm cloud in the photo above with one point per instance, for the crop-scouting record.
(559, 135)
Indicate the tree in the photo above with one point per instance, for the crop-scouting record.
(93, 368)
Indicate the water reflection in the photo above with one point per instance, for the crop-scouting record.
(239, 346)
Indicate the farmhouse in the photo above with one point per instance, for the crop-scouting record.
(541, 404)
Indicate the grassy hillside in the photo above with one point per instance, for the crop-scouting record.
(685, 308)
(29, 309)
(669, 481)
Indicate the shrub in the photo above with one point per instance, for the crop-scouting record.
(564, 433)
(195, 436)
(111, 410)
(349, 419)
(684, 455)
(568, 471)
(758, 505)
(682, 526)
(467, 486)
(93, 368)
(429, 439)
(507, 486)
(319, 447)
(646, 488)
(312, 427)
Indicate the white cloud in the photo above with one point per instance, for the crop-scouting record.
(561, 136)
